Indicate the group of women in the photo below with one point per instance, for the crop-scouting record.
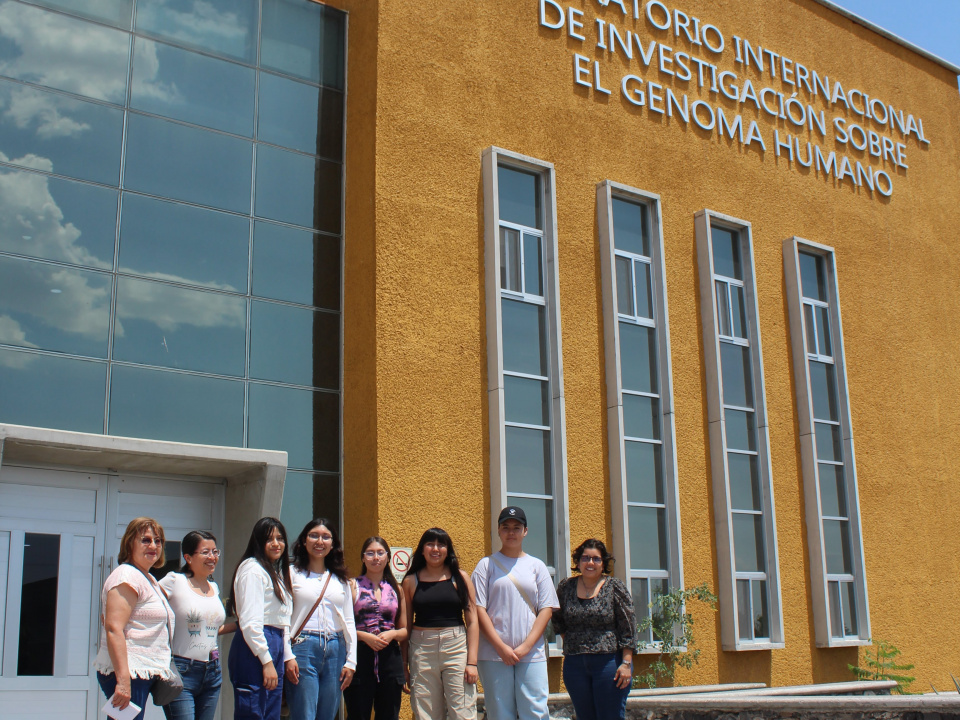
(307, 632)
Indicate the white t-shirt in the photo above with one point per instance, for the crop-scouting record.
(511, 615)
(198, 618)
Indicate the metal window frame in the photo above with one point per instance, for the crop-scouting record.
(491, 158)
(819, 578)
(723, 514)
(606, 192)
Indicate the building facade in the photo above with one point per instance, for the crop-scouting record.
(678, 276)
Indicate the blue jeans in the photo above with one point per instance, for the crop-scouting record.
(515, 691)
(139, 690)
(201, 690)
(317, 695)
(251, 700)
(593, 692)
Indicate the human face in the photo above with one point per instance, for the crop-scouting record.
(375, 557)
(204, 559)
(512, 533)
(435, 553)
(146, 550)
(275, 546)
(591, 564)
(319, 541)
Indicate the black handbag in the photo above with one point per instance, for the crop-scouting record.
(165, 690)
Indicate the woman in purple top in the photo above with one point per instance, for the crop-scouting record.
(380, 614)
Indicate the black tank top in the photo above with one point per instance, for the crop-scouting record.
(436, 605)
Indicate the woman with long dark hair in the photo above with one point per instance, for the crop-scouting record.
(261, 596)
(379, 609)
(442, 652)
(325, 639)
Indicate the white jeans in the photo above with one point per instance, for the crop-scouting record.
(438, 659)
(515, 691)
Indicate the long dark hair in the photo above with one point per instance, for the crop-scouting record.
(279, 572)
(387, 572)
(419, 562)
(188, 546)
(334, 560)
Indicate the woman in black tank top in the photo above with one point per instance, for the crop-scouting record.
(442, 650)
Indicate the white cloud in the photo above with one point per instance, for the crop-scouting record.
(28, 108)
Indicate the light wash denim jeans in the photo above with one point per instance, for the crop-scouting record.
(514, 691)
(201, 690)
(317, 695)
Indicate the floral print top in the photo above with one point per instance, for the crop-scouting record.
(602, 624)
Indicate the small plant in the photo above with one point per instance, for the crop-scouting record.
(671, 626)
(882, 664)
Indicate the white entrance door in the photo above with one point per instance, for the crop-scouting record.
(59, 536)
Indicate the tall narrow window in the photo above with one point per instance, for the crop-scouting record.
(640, 422)
(841, 614)
(739, 443)
(527, 456)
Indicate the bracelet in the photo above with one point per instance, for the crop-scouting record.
(471, 664)
(628, 663)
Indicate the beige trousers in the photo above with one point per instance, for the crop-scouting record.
(438, 658)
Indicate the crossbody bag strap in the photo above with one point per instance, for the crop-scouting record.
(314, 608)
(516, 584)
(162, 597)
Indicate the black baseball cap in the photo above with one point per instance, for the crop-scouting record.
(512, 512)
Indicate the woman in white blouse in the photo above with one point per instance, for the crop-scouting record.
(261, 596)
(195, 600)
(325, 638)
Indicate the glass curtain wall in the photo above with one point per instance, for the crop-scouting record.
(170, 225)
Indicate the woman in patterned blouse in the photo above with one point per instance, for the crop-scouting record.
(599, 629)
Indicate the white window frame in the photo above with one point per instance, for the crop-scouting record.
(704, 221)
(606, 192)
(492, 158)
(820, 579)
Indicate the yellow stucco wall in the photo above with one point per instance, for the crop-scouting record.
(433, 84)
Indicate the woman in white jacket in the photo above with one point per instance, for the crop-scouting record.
(324, 637)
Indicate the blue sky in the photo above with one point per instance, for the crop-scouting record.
(933, 25)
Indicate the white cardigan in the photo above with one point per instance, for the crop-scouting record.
(338, 600)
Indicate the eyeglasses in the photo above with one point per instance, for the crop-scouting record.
(147, 542)
(589, 559)
(209, 553)
(375, 554)
(317, 537)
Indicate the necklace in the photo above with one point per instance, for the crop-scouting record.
(589, 592)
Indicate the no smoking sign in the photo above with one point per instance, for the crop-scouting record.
(400, 561)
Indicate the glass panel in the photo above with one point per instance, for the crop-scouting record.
(824, 391)
(331, 124)
(828, 442)
(539, 541)
(644, 474)
(191, 87)
(836, 611)
(510, 259)
(63, 53)
(648, 538)
(50, 391)
(524, 337)
(723, 308)
(294, 345)
(532, 265)
(726, 253)
(624, 285)
(630, 227)
(38, 604)
(748, 542)
(223, 27)
(810, 328)
(57, 219)
(833, 500)
(307, 496)
(289, 113)
(160, 324)
(638, 358)
(519, 194)
(303, 39)
(298, 189)
(836, 544)
(529, 469)
(738, 311)
(812, 280)
(54, 308)
(112, 12)
(824, 346)
(171, 550)
(54, 133)
(744, 612)
(305, 423)
(744, 482)
(741, 429)
(527, 401)
(296, 265)
(184, 163)
(644, 298)
(184, 244)
(737, 375)
(641, 604)
(761, 622)
(848, 599)
(641, 416)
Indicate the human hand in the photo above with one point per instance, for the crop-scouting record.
(346, 677)
(508, 654)
(121, 696)
(270, 678)
(375, 642)
(470, 675)
(292, 671)
(624, 676)
(406, 679)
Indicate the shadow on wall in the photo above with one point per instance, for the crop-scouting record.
(742, 667)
